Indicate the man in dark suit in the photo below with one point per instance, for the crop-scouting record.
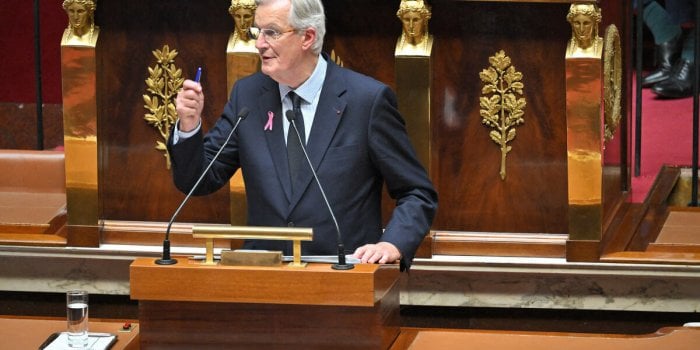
(354, 135)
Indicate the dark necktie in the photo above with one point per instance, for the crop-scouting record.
(295, 155)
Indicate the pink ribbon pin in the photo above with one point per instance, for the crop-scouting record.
(270, 116)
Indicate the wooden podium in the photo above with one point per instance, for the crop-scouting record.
(194, 306)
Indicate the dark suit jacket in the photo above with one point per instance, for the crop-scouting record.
(357, 143)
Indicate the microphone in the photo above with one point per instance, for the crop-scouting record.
(341, 265)
(166, 259)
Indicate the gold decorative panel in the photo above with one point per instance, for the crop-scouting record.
(612, 81)
(163, 82)
(584, 124)
(501, 108)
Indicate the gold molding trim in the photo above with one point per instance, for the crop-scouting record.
(163, 82)
(501, 109)
(612, 81)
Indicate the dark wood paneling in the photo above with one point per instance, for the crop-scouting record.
(363, 34)
(473, 197)
(656, 212)
(499, 244)
(465, 162)
(134, 181)
(639, 224)
(616, 153)
(190, 325)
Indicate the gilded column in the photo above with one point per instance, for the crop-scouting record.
(242, 59)
(584, 67)
(414, 74)
(78, 66)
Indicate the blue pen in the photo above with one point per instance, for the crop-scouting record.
(199, 74)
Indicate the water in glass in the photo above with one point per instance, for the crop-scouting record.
(77, 316)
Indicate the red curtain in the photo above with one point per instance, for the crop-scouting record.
(17, 58)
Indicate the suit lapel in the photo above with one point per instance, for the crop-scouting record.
(328, 115)
(269, 102)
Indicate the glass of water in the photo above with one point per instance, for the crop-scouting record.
(77, 315)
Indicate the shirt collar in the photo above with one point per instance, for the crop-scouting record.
(311, 87)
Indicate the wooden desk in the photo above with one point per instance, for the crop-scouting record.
(194, 306)
(29, 333)
(680, 338)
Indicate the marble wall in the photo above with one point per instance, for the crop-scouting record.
(493, 282)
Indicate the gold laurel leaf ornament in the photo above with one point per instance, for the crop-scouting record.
(502, 107)
(612, 81)
(162, 84)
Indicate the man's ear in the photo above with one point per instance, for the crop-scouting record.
(309, 38)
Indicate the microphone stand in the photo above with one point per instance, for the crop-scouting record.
(341, 265)
(166, 259)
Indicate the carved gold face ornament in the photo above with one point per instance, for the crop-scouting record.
(583, 30)
(413, 26)
(244, 19)
(584, 20)
(77, 15)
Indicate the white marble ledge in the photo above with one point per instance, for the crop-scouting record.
(464, 281)
(103, 270)
(507, 282)
(551, 266)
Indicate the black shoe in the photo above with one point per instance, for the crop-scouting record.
(667, 53)
(680, 84)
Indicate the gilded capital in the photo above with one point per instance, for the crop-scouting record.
(415, 39)
(81, 30)
(243, 14)
(585, 41)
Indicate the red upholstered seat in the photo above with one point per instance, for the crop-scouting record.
(32, 191)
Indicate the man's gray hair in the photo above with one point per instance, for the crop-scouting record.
(306, 14)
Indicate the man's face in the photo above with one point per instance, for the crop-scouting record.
(280, 54)
(77, 15)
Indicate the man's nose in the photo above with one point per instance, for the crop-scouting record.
(261, 42)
